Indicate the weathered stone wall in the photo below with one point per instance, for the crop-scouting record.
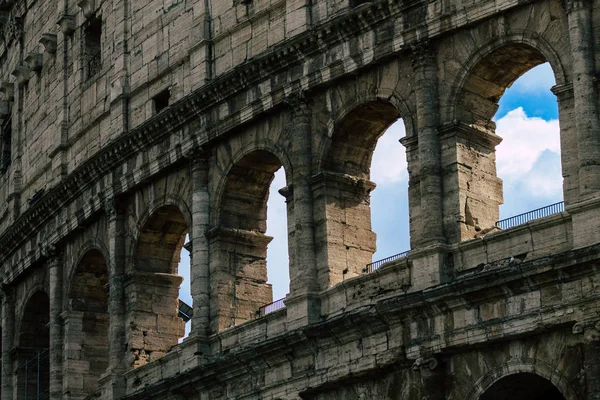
(308, 86)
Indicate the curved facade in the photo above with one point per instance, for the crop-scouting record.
(128, 126)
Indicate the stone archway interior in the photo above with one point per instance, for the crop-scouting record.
(154, 324)
(522, 386)
(342, 193)
(86, 326)
(33, 362)
(355, 137)
(240, 245)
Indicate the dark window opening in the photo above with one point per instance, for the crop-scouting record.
(5, 145)
(93, 46)
(161, 101)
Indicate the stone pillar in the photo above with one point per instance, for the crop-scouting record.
(569, 154)
(430, 229)
(343, 226)
(302, 302)
(591, 356)
(432, 262)
(199, 255)
(238, 275)
(288, 193)
(472, 190)
(8, 337)
(432, 382)
(74, 365)
(202, 57)
(113, 382)
(579, 17)
(153, 323)
(55, 271)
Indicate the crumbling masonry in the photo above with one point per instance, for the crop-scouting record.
(128, 124)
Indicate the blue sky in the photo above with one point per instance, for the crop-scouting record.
(528, 162)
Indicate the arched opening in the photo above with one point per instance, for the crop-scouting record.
(239, 244)
(86, 325)
(343, 191)
(278, 259)
(473, 190)
(389, 200)
(33, 361)
(522, 386)
(155, 323)
(528, 159)
(185, 289)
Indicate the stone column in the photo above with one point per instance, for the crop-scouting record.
(55, 271)
(432, 383)
(579, 17)
(591, 356)
(8, 336)
(346, 242)
(472, 192)
(569, 153)
(238, 275)
(202, 57)
(302, 302)
(199, 255)
(113, 383)
(430, 228)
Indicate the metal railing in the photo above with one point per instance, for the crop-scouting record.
(272, 307)
(34, 366)
(531, 215)
(375, 265)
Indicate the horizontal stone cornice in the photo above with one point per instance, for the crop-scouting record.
(389, 313)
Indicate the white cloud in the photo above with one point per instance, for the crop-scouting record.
(524, 141)
(536, 79)
(389, 159)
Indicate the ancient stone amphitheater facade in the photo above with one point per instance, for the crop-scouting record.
(127, 124)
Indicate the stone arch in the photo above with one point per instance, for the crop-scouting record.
(238, 242)
(90, 245)
(536, 367)
(383, 96)
(153, 323)
(167, 200)
(87, 321)
(342, 188)
(515, 43)
(32, 357)
(472, 190)
(260, 146)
